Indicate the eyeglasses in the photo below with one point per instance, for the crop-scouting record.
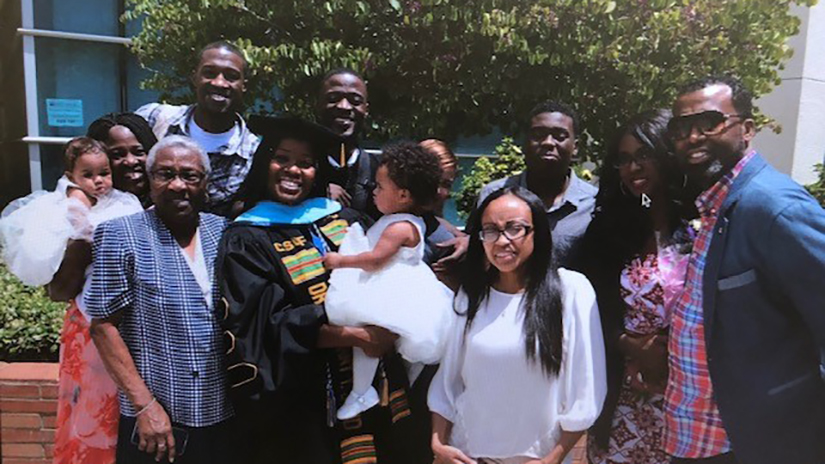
(512, 231)
(166, 176)
(642, 155)
(285, 162)
(707, 122)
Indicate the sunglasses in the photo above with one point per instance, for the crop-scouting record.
(707, 123)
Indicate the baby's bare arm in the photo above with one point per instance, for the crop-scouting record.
(392, 239)
(73, 192)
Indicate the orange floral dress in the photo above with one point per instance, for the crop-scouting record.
(87, 407)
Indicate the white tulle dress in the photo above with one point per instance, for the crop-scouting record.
(35, 230)
(404, 297)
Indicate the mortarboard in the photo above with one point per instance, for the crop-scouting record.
(274, 129)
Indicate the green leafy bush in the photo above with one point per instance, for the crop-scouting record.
(817, 189)
(29, 322)
(507, 160)
(455, 67)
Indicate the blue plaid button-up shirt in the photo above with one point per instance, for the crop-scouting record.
(175, 341)
(230, 165)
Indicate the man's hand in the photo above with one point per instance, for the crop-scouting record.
(461, 244)
(647, 367)
(339, 194)
(649, 350)
(155, 433)
(376, 341)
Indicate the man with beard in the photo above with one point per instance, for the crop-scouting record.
(746, 332)
(342, 107)
(552, 142)
(213, 122)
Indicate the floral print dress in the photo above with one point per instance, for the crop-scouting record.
(87, 407)
(636, 435)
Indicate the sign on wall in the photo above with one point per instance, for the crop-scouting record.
(64, 112)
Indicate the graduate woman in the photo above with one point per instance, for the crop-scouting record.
(289, 370)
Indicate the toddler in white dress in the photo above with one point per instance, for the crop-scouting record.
(380, 278)
(35, 230)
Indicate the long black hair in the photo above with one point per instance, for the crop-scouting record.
(621, 220)
(542, 304)
(99, 129)
(618, 232)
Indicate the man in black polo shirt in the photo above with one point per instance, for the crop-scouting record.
(342, 107)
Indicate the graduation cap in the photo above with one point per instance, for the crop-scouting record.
(274, 129)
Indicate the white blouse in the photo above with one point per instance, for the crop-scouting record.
(500, 404)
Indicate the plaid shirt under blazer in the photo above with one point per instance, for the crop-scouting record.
(764, 316)
(174, 338)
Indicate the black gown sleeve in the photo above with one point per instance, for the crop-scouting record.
(271, 340)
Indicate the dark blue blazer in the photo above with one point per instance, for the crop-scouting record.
(764, 314)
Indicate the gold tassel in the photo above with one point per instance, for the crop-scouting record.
(385, 388)
(343, 157)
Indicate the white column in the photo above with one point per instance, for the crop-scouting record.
(798, 104)
(30, 74)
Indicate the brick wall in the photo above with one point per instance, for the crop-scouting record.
(28, 408)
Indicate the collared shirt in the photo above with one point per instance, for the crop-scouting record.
(230, 164)
(353, 157)
(568, 218)
(173, 337)
(694, 427)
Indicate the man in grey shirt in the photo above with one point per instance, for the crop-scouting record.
(550, 145)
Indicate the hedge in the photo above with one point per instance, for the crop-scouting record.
(29, 321)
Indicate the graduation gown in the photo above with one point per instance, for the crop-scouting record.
(286, 390)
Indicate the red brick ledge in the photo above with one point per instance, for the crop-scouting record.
(28, 411)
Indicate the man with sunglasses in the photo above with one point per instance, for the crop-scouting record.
(746, 332)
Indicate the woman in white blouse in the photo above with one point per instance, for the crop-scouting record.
(524, 372)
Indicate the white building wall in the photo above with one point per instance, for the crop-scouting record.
(798, 104)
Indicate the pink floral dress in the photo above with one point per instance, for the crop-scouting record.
(87, 407)
(638, 422)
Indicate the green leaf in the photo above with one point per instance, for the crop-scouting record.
(611, 6)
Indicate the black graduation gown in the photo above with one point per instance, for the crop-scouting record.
(273, 287)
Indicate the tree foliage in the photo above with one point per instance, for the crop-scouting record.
(817, 189)
(452, 67)
(507, 159)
